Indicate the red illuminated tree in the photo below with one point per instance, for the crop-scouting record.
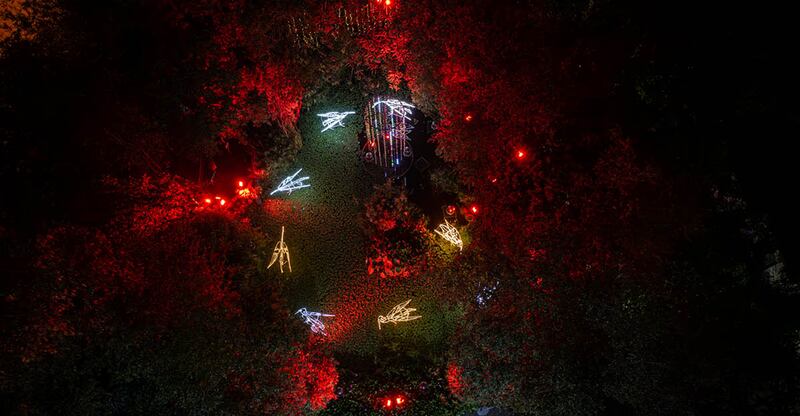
(312, 377)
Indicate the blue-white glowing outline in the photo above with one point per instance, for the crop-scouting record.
(401, 108)
(291, 184)
(313, 320)
(333, 119)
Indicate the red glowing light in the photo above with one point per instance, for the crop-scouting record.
(468, 118)
(388, 402)
(222, 202)
(494, 180)
(399, 400)
(388, 2)
(474, 209)
(520, 154)
(207, 200)
(241, 184)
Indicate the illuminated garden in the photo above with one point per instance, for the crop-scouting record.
(417, 207)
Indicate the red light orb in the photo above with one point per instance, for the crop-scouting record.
(399, 400)
(388, 403)
(222, 202)
(468, 118)
(474, 209)
(520, 154)
(241, 184)
(207, 200)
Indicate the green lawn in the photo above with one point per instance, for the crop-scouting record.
(328, 247)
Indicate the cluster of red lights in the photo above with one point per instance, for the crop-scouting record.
(217, 199)
(393, 402)
(241, 190)
(472, 209)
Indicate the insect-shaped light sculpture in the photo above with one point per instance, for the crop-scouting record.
(450, 233)
(333, 119)
(291, 184)
(313, 320)
(398, 314)
(401, 108)
(281, 254)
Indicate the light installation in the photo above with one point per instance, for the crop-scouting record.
(333, 119)
(281, 254)
(291, 184)
(450, 233)
(400, 108)
(387, 124)
(486, 293)
(313, 320)
(399, 313)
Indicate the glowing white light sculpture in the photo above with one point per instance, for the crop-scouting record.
(450, 233)
(401, 108)
(398, 314)
(313, 320)
(291, 184)
(333, 119)
(281, 254)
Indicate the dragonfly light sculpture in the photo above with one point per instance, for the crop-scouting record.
(399, 313)
(401, 108)
(333, 119)
(291, 184)
(281, 254)
(313, 320)
(450, 233)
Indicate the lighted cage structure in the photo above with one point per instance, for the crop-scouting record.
(387, 123)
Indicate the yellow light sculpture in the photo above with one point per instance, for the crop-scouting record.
(398, 314)
(281, 254)
(450, 233)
